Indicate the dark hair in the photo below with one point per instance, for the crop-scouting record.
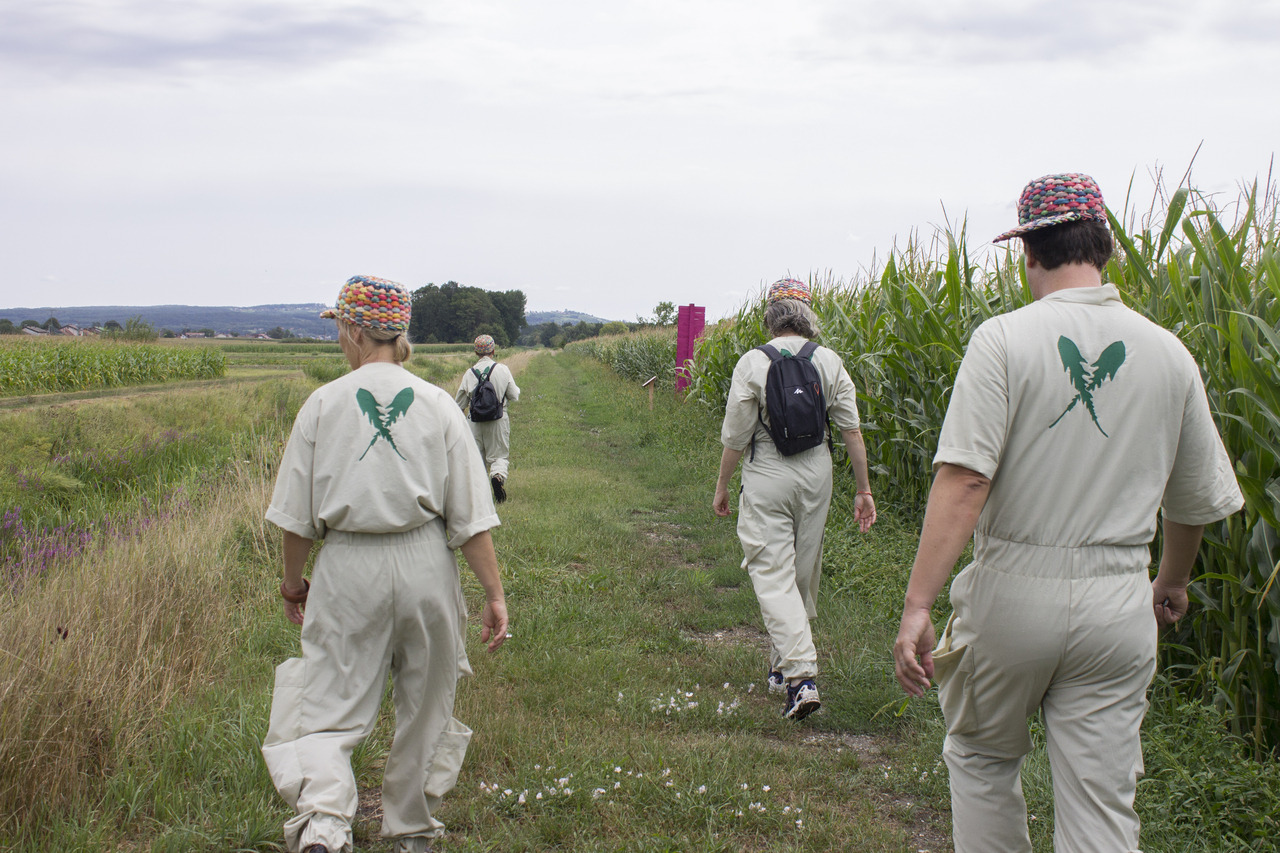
(1086, 241)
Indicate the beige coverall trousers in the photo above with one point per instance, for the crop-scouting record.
(1069, 632)
(379, 604)
(494, 440)
(782, 515)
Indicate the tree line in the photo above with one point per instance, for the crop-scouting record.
(446, 313)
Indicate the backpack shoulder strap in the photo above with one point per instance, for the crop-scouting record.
(771, 351)
(480, 377)
(807, 350)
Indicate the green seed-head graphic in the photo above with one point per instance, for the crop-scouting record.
(1086, 378)
(383, 417)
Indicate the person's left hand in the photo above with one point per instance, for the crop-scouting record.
(913, 652)
(864, 511)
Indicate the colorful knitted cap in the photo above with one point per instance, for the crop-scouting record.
(1055, 199)
(485, 345)
(372, 302)
(788, 288)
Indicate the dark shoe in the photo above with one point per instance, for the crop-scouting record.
(499, 493)
(802, 700)
(316, 848)
(777, 684)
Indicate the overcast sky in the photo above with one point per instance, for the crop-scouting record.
(600, 155)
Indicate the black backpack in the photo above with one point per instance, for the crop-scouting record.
(793, 396)
(485, 404)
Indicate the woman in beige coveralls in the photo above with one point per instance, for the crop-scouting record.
(382, 467)
(493, 438)
(784, 499)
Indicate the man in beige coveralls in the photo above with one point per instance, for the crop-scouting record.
(1073, 420)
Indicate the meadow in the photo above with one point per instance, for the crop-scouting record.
(628, 712)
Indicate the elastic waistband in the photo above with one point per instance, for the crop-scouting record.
(1056, 561)
(432, 530)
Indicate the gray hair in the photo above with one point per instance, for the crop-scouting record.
(791, 315)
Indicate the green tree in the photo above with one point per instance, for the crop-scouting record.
(52, 325)
(510, 305)
(7, 327)
(664, 313)
(613, 327)
(138, 329)
(112, 326)
(453, 313)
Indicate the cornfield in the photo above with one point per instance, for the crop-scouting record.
(636, 356)
(1210, 277)
(38, 367)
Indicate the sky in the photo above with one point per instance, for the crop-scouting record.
(601, 156)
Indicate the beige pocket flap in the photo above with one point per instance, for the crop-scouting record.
(947, 657)
(447, 762)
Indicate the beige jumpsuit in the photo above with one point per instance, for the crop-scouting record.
(492, 437)
(382, 467)
(1087, 418)
(782, 511)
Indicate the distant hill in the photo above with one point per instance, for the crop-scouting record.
(537, 318)
(301, 319)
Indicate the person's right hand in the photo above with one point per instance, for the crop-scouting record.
(1170, 602)
(494, 624)
(913, 652)
(720, 503)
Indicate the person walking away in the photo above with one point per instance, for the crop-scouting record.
(380, 466)
(1073, 421)
(485, 390)
(786, 488)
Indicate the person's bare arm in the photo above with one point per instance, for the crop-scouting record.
(484, 563)
(1177, 558)
(955, 502)
(729, 460)
(864, 505)
(296, 550)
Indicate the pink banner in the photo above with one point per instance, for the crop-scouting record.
(690, 322)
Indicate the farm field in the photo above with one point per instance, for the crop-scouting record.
(627, 712)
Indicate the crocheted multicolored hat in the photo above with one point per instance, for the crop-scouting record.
(1055, 199)
(788, 288)
(372, 302)
(485, 345)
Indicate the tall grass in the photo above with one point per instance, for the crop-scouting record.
(96, 644)
(37, 367)
(1209, 274)
(94, 654)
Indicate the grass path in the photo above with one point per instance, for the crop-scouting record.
(628, 711)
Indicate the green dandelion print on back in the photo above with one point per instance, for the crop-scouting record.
(1086, 378)
(382, 417)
